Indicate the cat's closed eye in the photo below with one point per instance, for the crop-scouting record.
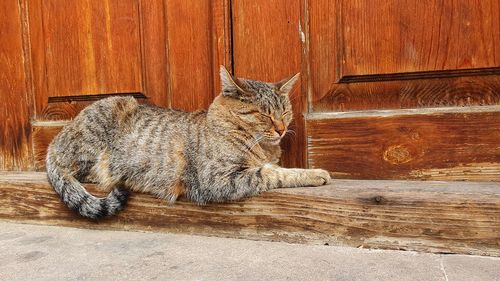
(252, 111)
(266, 116)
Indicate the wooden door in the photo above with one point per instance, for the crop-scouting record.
(389, 89)
(161, 52)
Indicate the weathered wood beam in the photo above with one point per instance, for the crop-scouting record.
(447, 217)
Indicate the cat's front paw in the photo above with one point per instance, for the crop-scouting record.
(317, 177)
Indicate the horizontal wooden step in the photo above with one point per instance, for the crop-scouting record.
(447, 217)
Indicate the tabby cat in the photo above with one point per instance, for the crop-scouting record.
(226, 153)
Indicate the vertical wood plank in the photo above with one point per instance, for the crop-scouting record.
(154, 51)
(221, 26)
(266, 46)
(196, 31)
(15, 130)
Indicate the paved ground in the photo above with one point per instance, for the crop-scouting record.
(29, 252)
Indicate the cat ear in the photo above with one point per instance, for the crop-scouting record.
(285, 86)
(229, 85)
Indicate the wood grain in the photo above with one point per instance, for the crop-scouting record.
(442, 92)
(196, 45)
(15, 130)
(42, 136)
(63, 108)
(267, 47)
(402, 42)
(123, 48)
(222, 37)
(368, 42)
(417, 75)
(154, 51)
(435, 217)
(459, 145)
(85, 47)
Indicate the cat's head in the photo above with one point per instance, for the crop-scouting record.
(260, 108)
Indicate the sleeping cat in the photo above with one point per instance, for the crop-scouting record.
(226, 153)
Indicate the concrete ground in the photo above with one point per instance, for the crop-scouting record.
(29, 252)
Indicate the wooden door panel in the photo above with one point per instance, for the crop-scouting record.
(421, 93)
(15, 135)
(267, 47)
(163, 52)
(381, 54)
(384, 37)
(84, 48)
(446, 144)
(396, 63)
(154, 51)
(198, 41)
(95, 50)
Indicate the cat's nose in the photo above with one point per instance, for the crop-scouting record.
(281, 131)
(280, 128)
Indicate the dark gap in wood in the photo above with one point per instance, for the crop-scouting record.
(95, 97)
(231, 36)
(434, 74)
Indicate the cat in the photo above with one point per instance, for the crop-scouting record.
(226, 153)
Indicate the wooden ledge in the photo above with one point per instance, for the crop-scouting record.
(446, 217)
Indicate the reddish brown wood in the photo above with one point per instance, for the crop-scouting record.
(85, 47)
(124, 47)
(371, 41)
(459, 145)
(146, 20)
(193, 53)
(42, 136)
(221, 40)
(66, 108)
(391, 37)
(457, 91)
(154, 51)
(168, 52)
(15, 130)
(266, 46)
(423, 216)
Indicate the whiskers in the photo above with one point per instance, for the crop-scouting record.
(253, 142)
(257, 140)
(249, 143)
(290, 134)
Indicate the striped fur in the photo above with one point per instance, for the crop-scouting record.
(226, 153)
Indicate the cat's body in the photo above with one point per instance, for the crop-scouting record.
(224, 154)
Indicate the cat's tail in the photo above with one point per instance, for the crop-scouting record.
(74, 195)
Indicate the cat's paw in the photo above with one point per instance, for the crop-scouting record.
(317, 177)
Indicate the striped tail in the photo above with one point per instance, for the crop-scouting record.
(74, 195)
